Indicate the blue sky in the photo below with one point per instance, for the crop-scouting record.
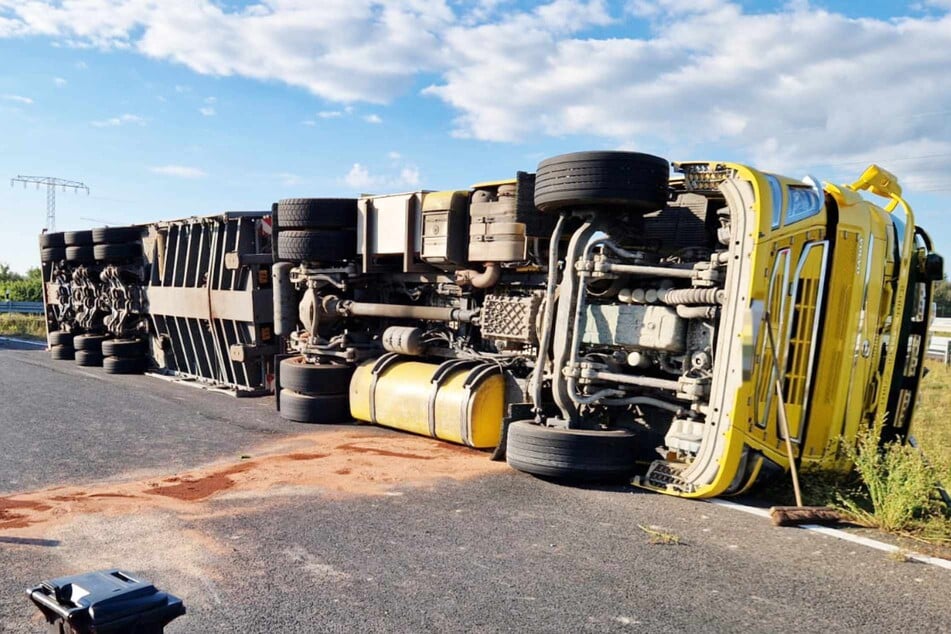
(193, 107)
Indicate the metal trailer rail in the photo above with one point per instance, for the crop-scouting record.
(210, 306)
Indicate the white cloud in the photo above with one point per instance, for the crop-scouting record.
(409, 175)
(123, 119)
(81, 65)
(180, 171)
(211, 100)
(207, 111)
(59, 81)
(310, 123)
(781, 87)
(801, 87)
(360, 179)
(18, 99)
(373, 118)
(395, 156)
(181, 88)
(343, 50)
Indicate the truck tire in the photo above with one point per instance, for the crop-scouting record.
(307, 408)
(103, 235)
(317, 246)
(52, 240)
(570, 454)
(311, 379)
(622, 181)
(317, 213)
(62, 353)
(128, 348)
(88, 358)
(77, 238)
(89, 343)
(81, 254)
(123, 365)
(121, 251)
(52, 254)
(61, 338)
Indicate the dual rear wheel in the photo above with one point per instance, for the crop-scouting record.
(317, 229)
(314, 393)
(116, 356)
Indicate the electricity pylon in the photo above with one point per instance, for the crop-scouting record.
(51, 183)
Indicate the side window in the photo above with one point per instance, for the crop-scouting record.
(804, 202)
(776, 194)
(801, 201)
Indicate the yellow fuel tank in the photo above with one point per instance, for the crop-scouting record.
(458, 401)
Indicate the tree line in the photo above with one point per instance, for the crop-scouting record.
(17, 287)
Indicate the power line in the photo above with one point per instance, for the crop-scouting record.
(51, 183)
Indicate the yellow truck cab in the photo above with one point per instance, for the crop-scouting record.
(844, 286)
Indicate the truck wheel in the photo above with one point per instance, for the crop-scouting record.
(81, 254)
(61, 338)
(62, 353)
(88, 358)
(317, 246)
(622, 181)
(89, 343)
(570, 454)
(308, 378)
(317, 213)
(52, 240)
(77, 238)
(52, 254)
(306, 408)
(123, 365)
(121, 251)
(128, 348)
(102, 235)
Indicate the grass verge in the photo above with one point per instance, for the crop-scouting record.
(893, 489)
(898, 493)
(25, 326)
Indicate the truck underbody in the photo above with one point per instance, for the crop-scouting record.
(594, 320)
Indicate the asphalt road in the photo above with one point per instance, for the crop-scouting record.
(375, 543)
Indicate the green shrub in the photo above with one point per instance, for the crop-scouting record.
(900, 486)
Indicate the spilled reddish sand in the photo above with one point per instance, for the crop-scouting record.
(333, 463)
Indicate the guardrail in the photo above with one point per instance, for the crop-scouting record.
(27, 308)
(941, 324)
(940, 348)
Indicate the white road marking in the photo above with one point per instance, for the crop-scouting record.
(839, 534)
(752, 510)
(877, 545)
(41, 344)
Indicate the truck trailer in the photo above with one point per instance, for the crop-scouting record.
(611, 316)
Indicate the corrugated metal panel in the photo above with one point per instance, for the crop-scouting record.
(209, 299)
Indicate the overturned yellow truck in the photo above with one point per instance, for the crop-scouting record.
(601, 318)
(609, 316)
